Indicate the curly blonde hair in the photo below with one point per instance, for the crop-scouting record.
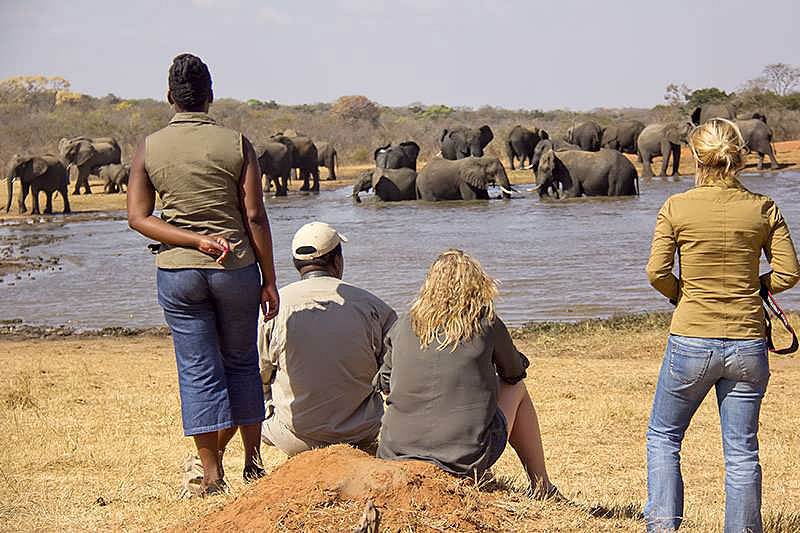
(719, 151)
(456, 296)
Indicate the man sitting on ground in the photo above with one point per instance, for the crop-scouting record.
(320, 354)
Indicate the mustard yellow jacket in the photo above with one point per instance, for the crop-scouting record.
(719, 233)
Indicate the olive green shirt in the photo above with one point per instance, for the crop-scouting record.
(719, 233)
(195, 166)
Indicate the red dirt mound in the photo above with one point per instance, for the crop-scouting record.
(327, 489)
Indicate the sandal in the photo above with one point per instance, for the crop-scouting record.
(192, 486)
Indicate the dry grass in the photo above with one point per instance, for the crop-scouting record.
(94, 439)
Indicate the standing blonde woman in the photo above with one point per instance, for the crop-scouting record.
(454, 380)
(717, 336)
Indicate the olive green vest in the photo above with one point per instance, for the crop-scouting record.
(195, 165)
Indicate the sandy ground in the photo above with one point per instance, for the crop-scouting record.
(94, 434)
(90, 206)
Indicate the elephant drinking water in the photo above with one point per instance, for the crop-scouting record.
(465, 179)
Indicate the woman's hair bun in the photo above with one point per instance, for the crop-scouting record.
(189, 82)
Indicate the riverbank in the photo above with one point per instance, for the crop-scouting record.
(93, 421)
(97, 204)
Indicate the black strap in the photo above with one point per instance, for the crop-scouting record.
(772, 306)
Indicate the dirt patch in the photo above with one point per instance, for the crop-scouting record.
(327, 490)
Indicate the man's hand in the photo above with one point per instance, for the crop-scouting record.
(214, 246)
(270, 301)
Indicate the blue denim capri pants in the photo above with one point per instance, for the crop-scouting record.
(213, 315)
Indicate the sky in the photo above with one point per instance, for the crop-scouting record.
(517, 54)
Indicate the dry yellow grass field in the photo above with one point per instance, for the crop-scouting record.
(788, 154)
(93, 434)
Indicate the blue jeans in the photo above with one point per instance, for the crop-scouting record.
(213, 315)
(739, 370)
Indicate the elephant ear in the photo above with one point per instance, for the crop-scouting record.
(543, 134)
(85, 152)
(696, 115)
(486, 135)
(443, 135)
(38, 166)
(410, 148)
(379, 150)
(473, 171)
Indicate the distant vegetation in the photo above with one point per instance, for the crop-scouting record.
(36, 111)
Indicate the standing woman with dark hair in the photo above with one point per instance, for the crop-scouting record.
(719, 230)
(214, 236)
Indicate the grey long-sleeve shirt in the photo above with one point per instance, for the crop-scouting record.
(442, 404)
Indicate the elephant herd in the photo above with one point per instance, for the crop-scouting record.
(587, 161)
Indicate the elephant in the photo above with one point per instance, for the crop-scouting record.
(664, 140)
(389, 184)
(276, 164)
(305, 157)
(327, 157)
(521, 143)
(461, 142)
(38, 173)
(758, 138)
(84, 154)
(583, 173)
(114, 175)
(587, 135)
(622, 136)
(402, 155)
(706, 112)
(464, 179)
(559, 145)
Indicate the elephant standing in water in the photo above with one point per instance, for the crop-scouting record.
(583, 173)
(622, 136)
(758, 138)
(304, 158)
(403, 155)
(45, 173)
(558, 145)
(706, 112)
(521, 143)
(327, 157)
(461, 142)
(114, 175)
(275, 162)
(389, 184)
(464, 179)
(664, 140)
(588, 135)
(84, 154)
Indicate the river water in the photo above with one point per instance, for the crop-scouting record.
(566, 261)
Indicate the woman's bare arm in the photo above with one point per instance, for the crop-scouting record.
(256, 223)
(141, 202)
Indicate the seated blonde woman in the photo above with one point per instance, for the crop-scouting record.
(454, 380)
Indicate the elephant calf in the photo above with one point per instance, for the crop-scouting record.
(390, 185)
(114, 175)
(463, 179)
(582, 173)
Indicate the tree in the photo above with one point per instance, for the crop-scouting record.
(781, 78)
(356, 107)
(709, 95)
(677, 95)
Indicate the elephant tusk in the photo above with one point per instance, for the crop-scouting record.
(529, 167)
(438, 154)
(508, 192)
(536, 187)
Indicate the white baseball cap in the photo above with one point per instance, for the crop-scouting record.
(315, 239)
